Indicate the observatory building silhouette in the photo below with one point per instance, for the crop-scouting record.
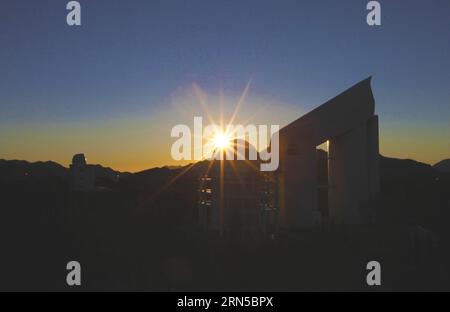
(82, 175)
(310, 187)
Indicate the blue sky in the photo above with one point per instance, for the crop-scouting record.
(128, 57)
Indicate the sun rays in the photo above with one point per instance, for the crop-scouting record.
(222, 141)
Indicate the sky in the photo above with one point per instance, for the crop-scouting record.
(114, 87)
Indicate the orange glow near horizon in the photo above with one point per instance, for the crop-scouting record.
(141, 140)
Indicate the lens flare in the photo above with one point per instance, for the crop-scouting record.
(221, 141)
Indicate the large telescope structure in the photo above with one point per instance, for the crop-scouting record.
(350, 127)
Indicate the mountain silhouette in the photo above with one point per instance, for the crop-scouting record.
(141, 232)
(21, 170)
(443, 165)
(392, 170)
(12, 170)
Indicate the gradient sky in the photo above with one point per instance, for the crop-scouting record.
(114, 87)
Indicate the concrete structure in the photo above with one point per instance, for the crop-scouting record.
(349, 125)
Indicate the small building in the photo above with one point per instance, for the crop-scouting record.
(82, 175)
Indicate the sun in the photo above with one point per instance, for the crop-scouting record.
(221, 141)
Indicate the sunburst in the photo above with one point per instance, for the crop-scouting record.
(222, 141)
